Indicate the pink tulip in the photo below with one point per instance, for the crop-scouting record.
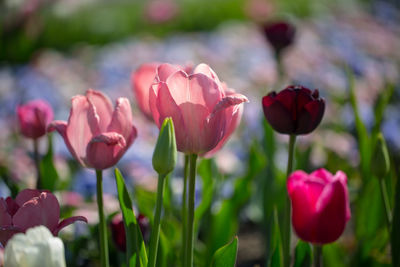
(96, 135)
(31, 208)
(143, 78)
(201, 109)
(33, 118)
(320, 204)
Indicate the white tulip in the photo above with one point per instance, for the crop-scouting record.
(37, 248)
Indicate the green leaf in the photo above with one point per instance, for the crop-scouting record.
(396, 228)
(302, 257)
(49, 174)
(277, 253)
(380, 106)
(226, 255)
(205, 171)
(135, 247)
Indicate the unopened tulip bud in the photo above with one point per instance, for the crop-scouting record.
(34, 117)
(380, 165)
(164, 156)
(37, 248)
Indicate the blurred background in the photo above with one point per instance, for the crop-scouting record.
(55, 49)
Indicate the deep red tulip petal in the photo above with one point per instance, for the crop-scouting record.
(278, 116)
(105, 150)
(12, 206)
(5, 217)
(42, 210)
(7, 232)
(26, 195)
(288, 99)
(68, 221)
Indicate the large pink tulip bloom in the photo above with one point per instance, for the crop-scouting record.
(34, 117)
(201, 108)
(31, 208)
(95, 134)
(320, 204)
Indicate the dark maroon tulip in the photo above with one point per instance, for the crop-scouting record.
(295, 110)
(118, 230)
(279, 34)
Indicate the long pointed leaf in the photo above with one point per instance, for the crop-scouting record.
(135, 247)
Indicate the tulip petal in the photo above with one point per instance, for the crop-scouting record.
(7, 232)
(12, 206)
(331, 209)
(26, 195)
(142, 79)
(228, 101)
(204, 91)
(206, 70)
(42, 210)
(104, 150)
(102, 107)
(68, 221)
(167, 107)
(5, 217)
(164, 71)
(178, 85)
(79, 132)
(153, 93)
(278, 115)
(121, 121)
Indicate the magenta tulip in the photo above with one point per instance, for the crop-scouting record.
(96, 135)
(201, 109)
(31, 208)
(34, 117)
(295, 110)
(320, 204)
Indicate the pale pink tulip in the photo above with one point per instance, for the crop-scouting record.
(96, 135)
(201, 108)
(34, 117)
(31, 208)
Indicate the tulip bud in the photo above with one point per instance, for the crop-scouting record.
(37, 248)
(164, 156)
(380, 166)
(34, 117)
(280, 35)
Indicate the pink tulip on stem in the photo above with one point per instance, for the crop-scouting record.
(33, 119)
(98, 136)
(204, 114)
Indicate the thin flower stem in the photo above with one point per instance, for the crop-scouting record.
(190, 227)
(386, 203)
(317, 255)
(155, 233)
(36, 158)
(184, 209)
(286, 230)
(102, 222)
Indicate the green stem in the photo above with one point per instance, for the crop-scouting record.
(286, 230)
(190, 227)
(279, 66)
(102, 222)
(386, 204)
(317, 255)
(36, 158)
(155, 233)
(184, 209)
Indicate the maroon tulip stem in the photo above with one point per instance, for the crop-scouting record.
(36, 158)
(184, 208)
(286, 231)
(317, 255)
(190, 219)
(102, 222)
